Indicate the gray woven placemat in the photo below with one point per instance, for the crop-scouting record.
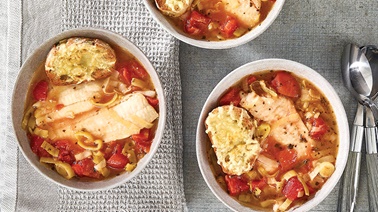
(160, 186)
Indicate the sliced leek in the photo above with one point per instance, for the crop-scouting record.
(266, 89)
(94, 146)
(285, 205)
(262, 131)
(50, 148)
(27, 115)
(139, 83)
(97, 157)
(326, 169)
(306, 190)
(100, 165)
(41, 133)
(64, 169)
(105, 104)
(83, 135)
(82, 155)
(47, 160)
(128, 146)
(132, 157)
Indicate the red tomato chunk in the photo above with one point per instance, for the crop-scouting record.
(196, 23)
(287, 159)
(231, 97)
(35, 145)
(85, 168)
(40, 90)
(118, 161)
(229, 26)
(319, 128)
(236, 185)
(292, 188)
(286, 84)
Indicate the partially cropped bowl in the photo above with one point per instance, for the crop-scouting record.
(179, 33)
(203, 143)
(35, 60)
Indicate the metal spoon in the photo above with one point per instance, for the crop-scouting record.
(371, 136)
(358, 78)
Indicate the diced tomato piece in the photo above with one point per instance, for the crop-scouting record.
(66, 156)
(143, 146)
(152, 101)
(69, 146)
(258, 183)
(142, 140)
(292, 187)
(35, 145)
(319, 128)
(137, 69)
(229, 26)
(67, 150)
(251, 79)
(286, 84)
(131, 69)
(112, 148)
(196, 23)
(85, 168)
(231, 97)
(125, 76)
(272, 147)
(287, 159)
(143, 135)
(236, 185)
(117, 161)
(40, 90)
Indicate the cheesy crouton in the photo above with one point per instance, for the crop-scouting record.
(231, 131)
(77, 60)
(173, 8)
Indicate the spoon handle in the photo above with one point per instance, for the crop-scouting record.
(371, 139)
(372, 167)
(349, 183)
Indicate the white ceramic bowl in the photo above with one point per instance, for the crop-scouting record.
(21, 89)
(180, 34)
(202, 140)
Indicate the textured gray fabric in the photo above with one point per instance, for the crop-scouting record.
(160, 185)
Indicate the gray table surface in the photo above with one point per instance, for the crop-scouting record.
(312, 32)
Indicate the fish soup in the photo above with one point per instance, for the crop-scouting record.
(297, 133)
(97, 128)
(215, 20)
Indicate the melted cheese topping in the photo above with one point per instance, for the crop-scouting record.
(232, 140)
(79, 61)
(173, 8)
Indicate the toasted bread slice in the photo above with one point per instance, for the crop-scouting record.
(77, 60)
(231, 131)
(173, 8)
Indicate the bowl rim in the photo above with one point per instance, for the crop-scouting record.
(109, 37)
(273, 64)
(225, 44)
